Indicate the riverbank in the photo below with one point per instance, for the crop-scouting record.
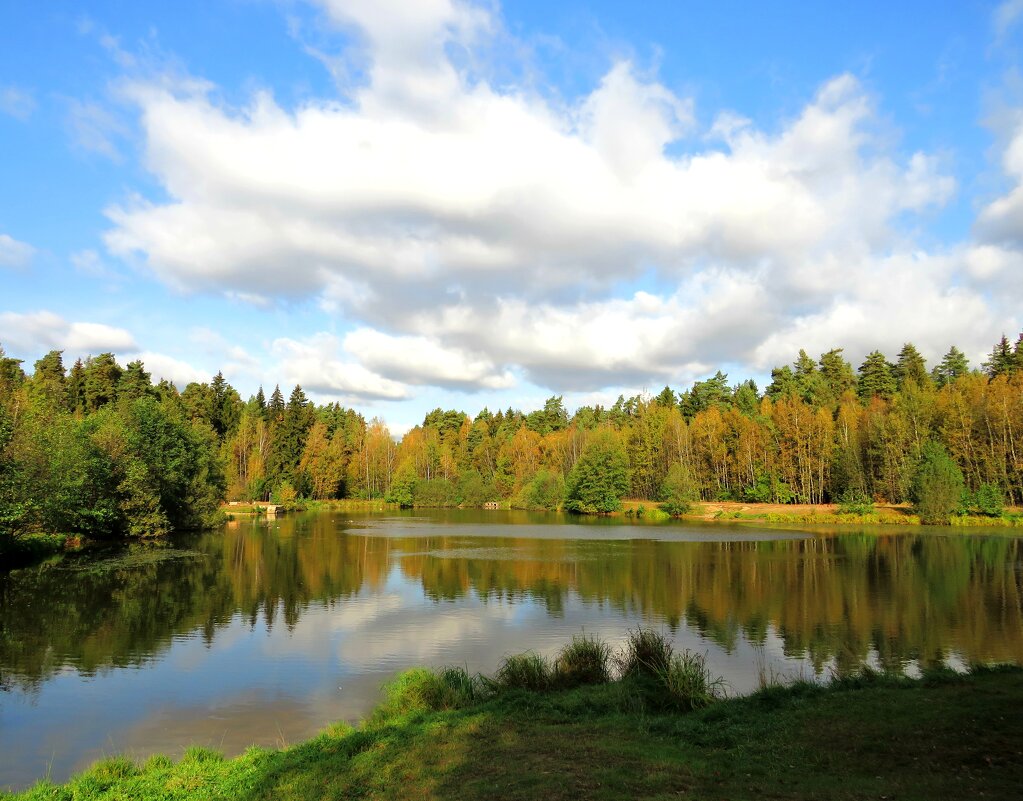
(875, 736)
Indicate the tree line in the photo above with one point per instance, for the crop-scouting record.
(102, 450)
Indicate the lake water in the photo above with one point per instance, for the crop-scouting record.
(265, 631)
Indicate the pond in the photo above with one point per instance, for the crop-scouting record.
(265, 631)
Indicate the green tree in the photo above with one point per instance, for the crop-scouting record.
(600, 478)
(938, 485)
(876, 378)
(1002, 360)
(953, 365)
(48, 378)
(910, 366)
(403, 484)
(135, 382)
(678, 491)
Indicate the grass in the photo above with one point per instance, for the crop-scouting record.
(449, 735)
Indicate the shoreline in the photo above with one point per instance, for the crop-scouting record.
(956, 737)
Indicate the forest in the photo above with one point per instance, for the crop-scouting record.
(101, 450)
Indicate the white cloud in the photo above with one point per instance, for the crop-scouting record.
(161, 366)
(473, 233)
(314, 363)
(32, 334)
(14, 253)
(18, 103)
(420, 360)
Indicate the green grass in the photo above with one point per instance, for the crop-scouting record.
(872, 735)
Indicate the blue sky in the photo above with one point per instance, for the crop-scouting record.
(410, 204)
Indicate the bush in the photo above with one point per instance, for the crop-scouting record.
(545, 491)
(285, 495)
(938, 485)
(989, 500)
(855, 502)
(586, 660)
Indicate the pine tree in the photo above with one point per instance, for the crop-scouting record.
(48, 378)
(954, 365)
(876, 378)
(837, 375)
(135, 382)
(911, 366)
(1002, 360)
(666, 398)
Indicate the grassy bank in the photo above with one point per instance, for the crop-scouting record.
(581, 733)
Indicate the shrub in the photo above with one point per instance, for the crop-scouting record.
(545, 491)
(285, 495)
(585, 660)
(855, 502)
(989, 500)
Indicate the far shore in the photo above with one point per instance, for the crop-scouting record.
(648, 510)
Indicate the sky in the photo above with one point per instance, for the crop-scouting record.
(411, 204)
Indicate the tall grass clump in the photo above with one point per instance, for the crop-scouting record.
(528, 671)
(585, 660)
(687, 682)
(646, 653)
(421, 690)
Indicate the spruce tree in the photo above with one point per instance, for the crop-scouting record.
(1002, 360)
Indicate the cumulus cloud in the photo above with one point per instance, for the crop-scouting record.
(474, 232)
(34, 333)
(317, 365)
(161, 366)
(14, 253)
(420, 360)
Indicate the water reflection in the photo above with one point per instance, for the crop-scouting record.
(245, 635)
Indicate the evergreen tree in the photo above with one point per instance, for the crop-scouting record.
(275, 409)
(600, 478)
(135, 382)
(910, 366)
(836, 374)
(75, 388)
(783, 382)
(1002, 360)
(666, 398)
(712, 392)
(48, 378)
(260, 402)
(954, 365)
(100, 378)
(938, 485)
(876, 378)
